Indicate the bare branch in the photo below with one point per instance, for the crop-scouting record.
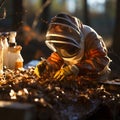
(35, 21)
(1, 3)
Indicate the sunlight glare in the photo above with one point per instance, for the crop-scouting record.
(91, 2)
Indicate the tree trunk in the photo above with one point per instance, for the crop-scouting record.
(44, 17)
(18, 12)
(86, 13)
(116, 36)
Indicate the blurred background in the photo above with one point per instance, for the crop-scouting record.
(30, 18)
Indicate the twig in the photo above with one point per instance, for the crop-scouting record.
(1, 3)
(35, 21)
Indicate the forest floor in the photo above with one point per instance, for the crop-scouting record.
(69, 99)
